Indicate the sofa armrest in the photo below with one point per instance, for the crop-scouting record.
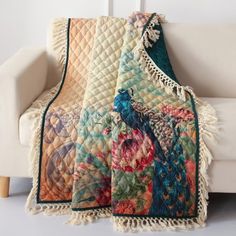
(22, 80)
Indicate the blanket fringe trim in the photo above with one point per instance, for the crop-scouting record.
(88, 216)
(149, 37)
(207, 122)
(58, 48)
(57, 41)
(128, 224)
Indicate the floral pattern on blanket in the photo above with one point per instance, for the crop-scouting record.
(92, 175)
(59, 166)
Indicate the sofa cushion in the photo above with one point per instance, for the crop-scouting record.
(30, 119)
(203, 56)
(222, 149)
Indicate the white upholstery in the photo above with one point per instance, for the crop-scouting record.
(26, 127)
(30, 118)
(222, 176)
(223, 148)
(22, 80)
(202, 57)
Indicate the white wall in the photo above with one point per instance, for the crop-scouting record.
(24, 22)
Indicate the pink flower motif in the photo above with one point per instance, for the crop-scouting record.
(103, 194)
(139, 19)
(132, 152)
(106, 131)
(124, 207)
(181, 114)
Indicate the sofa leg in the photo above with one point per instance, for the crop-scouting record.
(4, 186)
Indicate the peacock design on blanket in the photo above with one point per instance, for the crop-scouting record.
(170, 186)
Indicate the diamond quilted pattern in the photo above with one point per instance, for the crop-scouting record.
(107, 49)
(60, 133)
(92, 187)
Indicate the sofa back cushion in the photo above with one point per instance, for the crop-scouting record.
(204, 57)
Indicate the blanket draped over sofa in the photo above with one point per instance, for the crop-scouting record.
(119, 136)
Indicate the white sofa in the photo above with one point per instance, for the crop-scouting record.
(203, 56)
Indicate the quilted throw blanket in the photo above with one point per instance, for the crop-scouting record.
(119, 136)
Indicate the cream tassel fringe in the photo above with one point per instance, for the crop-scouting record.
(207, 123)
(57, 41)
(136, 224)
(58, 46)
(156, 75)
(88, 216)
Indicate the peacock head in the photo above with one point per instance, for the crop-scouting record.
(122, 100)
